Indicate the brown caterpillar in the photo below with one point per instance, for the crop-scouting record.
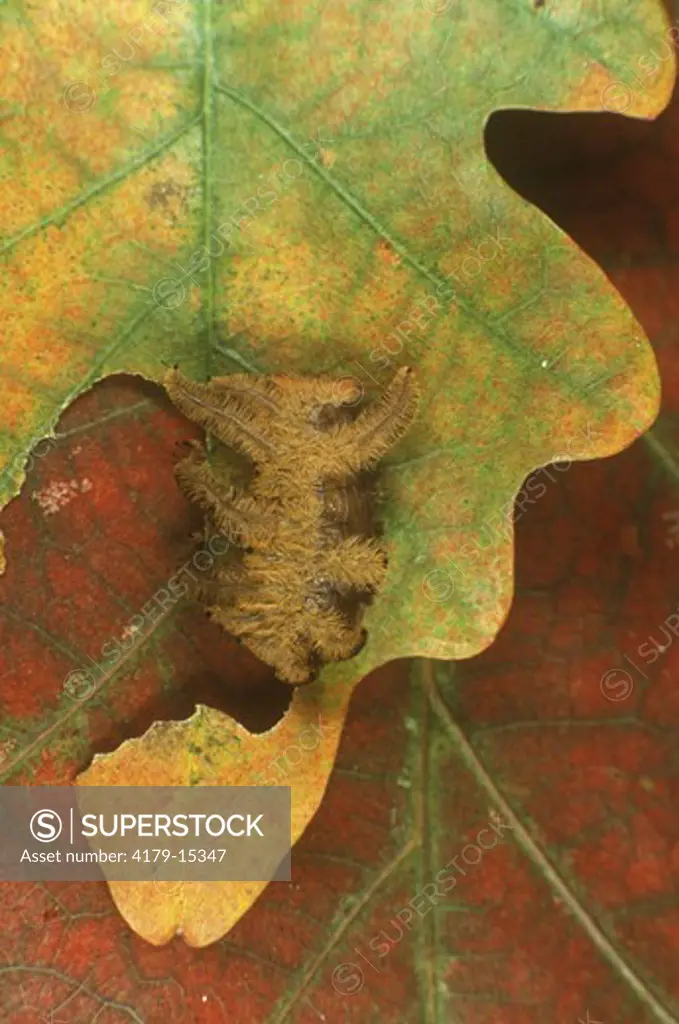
(310, 563)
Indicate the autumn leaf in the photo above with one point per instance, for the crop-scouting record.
(295, 189)
(298, 752)
(70, 537)
(151, 913)
(424, 762)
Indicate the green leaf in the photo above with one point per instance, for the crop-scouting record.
(303, 188)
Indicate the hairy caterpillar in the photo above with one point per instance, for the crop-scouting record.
(310, 558)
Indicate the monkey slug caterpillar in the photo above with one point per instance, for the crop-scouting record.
(296, 598)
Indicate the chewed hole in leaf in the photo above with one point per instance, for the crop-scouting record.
(104, 558)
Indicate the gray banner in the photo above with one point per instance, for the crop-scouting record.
(145, 833)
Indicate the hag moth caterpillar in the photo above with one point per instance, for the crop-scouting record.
(310, 563)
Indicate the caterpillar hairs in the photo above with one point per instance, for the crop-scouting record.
(310, 558)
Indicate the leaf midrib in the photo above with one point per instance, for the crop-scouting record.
(530, 848)
(206, 119)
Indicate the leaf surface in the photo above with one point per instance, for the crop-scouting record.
(211, 749)
(288, 187)
(99, 552)
(591, 780)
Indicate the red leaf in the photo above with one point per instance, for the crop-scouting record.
(593, 781)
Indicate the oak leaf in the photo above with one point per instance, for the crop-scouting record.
(369, 253)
